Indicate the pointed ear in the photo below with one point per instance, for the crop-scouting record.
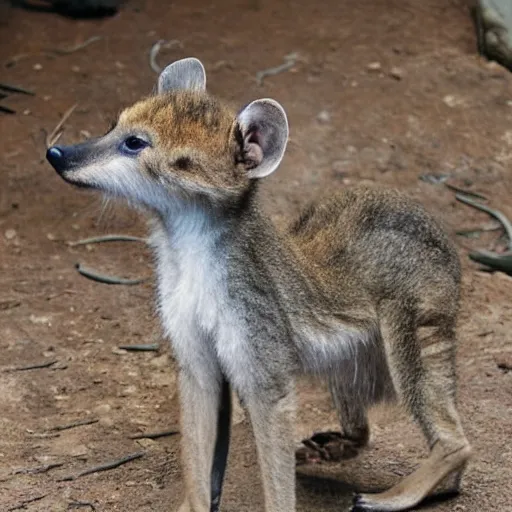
(262, 134)
(183, 74)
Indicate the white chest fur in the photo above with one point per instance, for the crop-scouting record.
(193, 301)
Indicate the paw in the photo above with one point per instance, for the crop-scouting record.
(360, 504)
(325, 447)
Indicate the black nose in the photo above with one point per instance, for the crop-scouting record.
(55, 156)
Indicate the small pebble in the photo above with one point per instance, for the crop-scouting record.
(129, 390)
(397, 73)
(323, 117)
(106, 421)
(50, 236)
(75, 69)
(102, 409)
(27, 112)
(374, 66)
(148, 444)
(78, 450)
(160, 361)
(37, 67)
(10, 234)
(39, 319)
(452, 101)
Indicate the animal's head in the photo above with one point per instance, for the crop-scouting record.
(179, 143)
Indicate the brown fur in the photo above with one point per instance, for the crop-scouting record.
(362, 289)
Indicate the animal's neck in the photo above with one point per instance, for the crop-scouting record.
(207, 242)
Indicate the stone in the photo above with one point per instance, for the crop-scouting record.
(10, 234)
(397, 73)
(323, 117)
(494, 30)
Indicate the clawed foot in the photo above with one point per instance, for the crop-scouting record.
(360, 505)
(326, 447)
(363, 503)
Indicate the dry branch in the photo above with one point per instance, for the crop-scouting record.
(79, 423)
(155, 435)
(106, 279)
(150, 347)
(38, 469)
(104, 467)
(36, 366)
(107, 238)
(23, 504)
(57, 132)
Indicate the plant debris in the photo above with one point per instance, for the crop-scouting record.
(36, 366)
(52, 52)
(289, 61)
(104, 467)
(106, 279)
(155, 435)
(155, 50)
(55, 134)
(23, 504)
(149, 347)
(107, 238)
(79, 423)
(38, 469)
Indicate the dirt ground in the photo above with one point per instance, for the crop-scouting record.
(430, 106)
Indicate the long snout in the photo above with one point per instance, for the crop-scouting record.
(69, 158)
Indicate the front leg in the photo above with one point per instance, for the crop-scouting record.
(272, 414)
(205, 422)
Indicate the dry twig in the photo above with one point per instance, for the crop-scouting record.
(106, 279)
(501, 217)
(52, 52)
(460, 190)
(107, 238)
(289, 61)
(76, 47)
(80, 504)
(79, 423)
(57, 132)
(36, 366)
(155, 435)
(38, 469)
(23, 504)
(149, 347)
(155, 49)
(104, 467)
(16, 88)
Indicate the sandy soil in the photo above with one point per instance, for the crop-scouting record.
(431, 106)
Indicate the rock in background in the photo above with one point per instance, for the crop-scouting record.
(494, 29)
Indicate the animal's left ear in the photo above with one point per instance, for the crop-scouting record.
(263, 134)
(186, 74)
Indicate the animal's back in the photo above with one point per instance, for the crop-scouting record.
(380, 243)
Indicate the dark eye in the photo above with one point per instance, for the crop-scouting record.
(183, 163)
(134, 145)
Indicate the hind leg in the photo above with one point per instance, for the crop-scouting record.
(423, 371)
(355, 431)
(352, 414)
